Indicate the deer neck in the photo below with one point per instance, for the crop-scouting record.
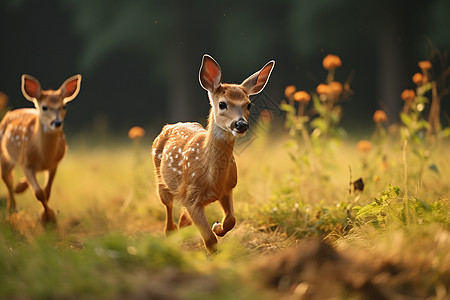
(218, 146)
(47, 139)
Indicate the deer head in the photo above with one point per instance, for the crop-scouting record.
(230, 103)
(50, 104)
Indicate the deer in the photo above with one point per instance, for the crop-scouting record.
(195, 166)
(34, 139)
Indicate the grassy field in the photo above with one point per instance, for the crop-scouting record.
(301, 234)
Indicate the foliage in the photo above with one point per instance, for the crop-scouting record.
(314, 131)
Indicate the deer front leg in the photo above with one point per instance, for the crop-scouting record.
(198, 217)
(48, 215)
(48, 183)
(7, 177)
(229, 220)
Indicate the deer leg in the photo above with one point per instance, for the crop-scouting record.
(229, 220)
(166, 198)
(48, 182)
(7, 177)
(48, 215)
(184, 219)
(198, 217)
(21, 186)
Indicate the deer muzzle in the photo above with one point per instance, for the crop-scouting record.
(241, 126)
(56, 123)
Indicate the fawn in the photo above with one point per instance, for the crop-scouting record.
(34, 139)
(195, 165)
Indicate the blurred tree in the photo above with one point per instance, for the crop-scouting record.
(171, 36)
(379, 37)
(141, 58)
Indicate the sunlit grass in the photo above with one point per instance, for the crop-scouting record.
(110, 242)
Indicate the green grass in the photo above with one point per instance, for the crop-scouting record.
(109, 242)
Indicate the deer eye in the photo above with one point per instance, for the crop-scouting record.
(249, 106)
(44, 108)
(222, 105)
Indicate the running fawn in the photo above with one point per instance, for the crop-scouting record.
(34, 139)
(196, 166)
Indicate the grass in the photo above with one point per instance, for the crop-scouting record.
(110, 244)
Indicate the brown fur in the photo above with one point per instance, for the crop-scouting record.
(196, 166)
(30, 138)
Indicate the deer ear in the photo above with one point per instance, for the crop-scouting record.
(31, 88)
(256, 83)
(210, 73)
(70, 88)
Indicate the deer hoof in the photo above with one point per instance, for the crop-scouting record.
(216, 227)
(48, 218)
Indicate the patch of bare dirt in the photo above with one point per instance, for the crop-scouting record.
(316, 270)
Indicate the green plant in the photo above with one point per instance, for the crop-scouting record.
(313, 129)
(389, 208)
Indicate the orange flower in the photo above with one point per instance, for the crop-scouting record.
(331, 62)
(408, 95)
(3, 100)
(417, 78)
(425, 65)
(265, 115)
(302, 97)
(336, 88)
(289, 90)
(136, 132)
(364, 146)
(380, 116)
(323, 89)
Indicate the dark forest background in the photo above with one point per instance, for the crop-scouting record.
(140, 59)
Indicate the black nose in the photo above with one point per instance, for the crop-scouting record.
(57, 123)
(241, 126)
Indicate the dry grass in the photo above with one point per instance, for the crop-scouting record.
(110, 244)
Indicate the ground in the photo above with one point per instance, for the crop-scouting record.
(301, 234)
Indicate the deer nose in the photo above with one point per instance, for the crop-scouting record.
(57, 123)
(241, 125)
